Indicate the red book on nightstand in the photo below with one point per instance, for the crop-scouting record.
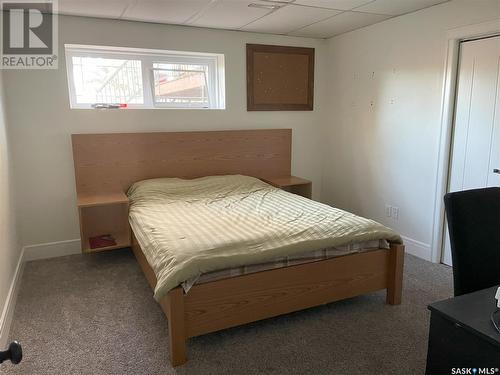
(104, 240)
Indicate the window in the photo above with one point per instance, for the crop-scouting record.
(181, 85)
(109, 77)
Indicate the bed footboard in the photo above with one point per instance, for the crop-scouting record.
(230, 302)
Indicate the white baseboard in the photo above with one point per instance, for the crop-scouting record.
(69, 247)
(52, 249)
(417, 248)
(10, 303)
(31, 252)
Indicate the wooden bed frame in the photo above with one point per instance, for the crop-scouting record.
(110, 163)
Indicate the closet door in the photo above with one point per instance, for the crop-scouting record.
(475, 159)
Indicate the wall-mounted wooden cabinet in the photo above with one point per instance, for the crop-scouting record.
(104, 222)
(292, 184)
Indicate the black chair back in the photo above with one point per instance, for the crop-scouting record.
(474, 225)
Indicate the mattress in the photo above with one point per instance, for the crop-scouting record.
(294, 260)
(189, 228)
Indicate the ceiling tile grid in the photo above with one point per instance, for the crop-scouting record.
(334, 4)
(229, 14)
(344, 22)
(305, 18)
(174, 11)
(289, 18)
(397, 8)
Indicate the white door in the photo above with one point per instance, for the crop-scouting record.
(475, 160)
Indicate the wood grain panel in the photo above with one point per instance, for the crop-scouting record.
(230, 302)
(113, 162)
(234, 301)
(395, 280)
(97, 220)
(176, 325)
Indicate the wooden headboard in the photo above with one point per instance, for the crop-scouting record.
(113, 162)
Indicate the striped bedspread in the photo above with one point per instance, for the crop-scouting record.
(190, 227)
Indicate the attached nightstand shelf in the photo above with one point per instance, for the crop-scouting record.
(101, 215)
(89, 200)
(292, 184)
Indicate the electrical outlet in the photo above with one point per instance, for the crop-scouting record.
(395, 213)
(388, 210)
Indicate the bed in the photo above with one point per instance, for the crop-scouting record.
(188, 216)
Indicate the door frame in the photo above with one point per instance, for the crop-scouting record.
(453, 39)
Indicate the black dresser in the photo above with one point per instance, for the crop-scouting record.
(462, 339)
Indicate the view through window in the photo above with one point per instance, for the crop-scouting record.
(101, 77)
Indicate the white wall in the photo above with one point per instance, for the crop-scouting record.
(42, 121)
(372, 138)
(382, 128)
(9, 249)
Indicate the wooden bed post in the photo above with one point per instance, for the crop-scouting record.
(176, 326)
(395, 274)
(173, 307)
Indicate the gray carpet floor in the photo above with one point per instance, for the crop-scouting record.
(95, 314)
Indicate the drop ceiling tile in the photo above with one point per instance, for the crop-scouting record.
(396, 8)
(288, 19)
(339, 24)
(93, 8)
(229, 14)
(164, 11)
(334, 4)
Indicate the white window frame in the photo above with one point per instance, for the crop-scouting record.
(148, 57)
